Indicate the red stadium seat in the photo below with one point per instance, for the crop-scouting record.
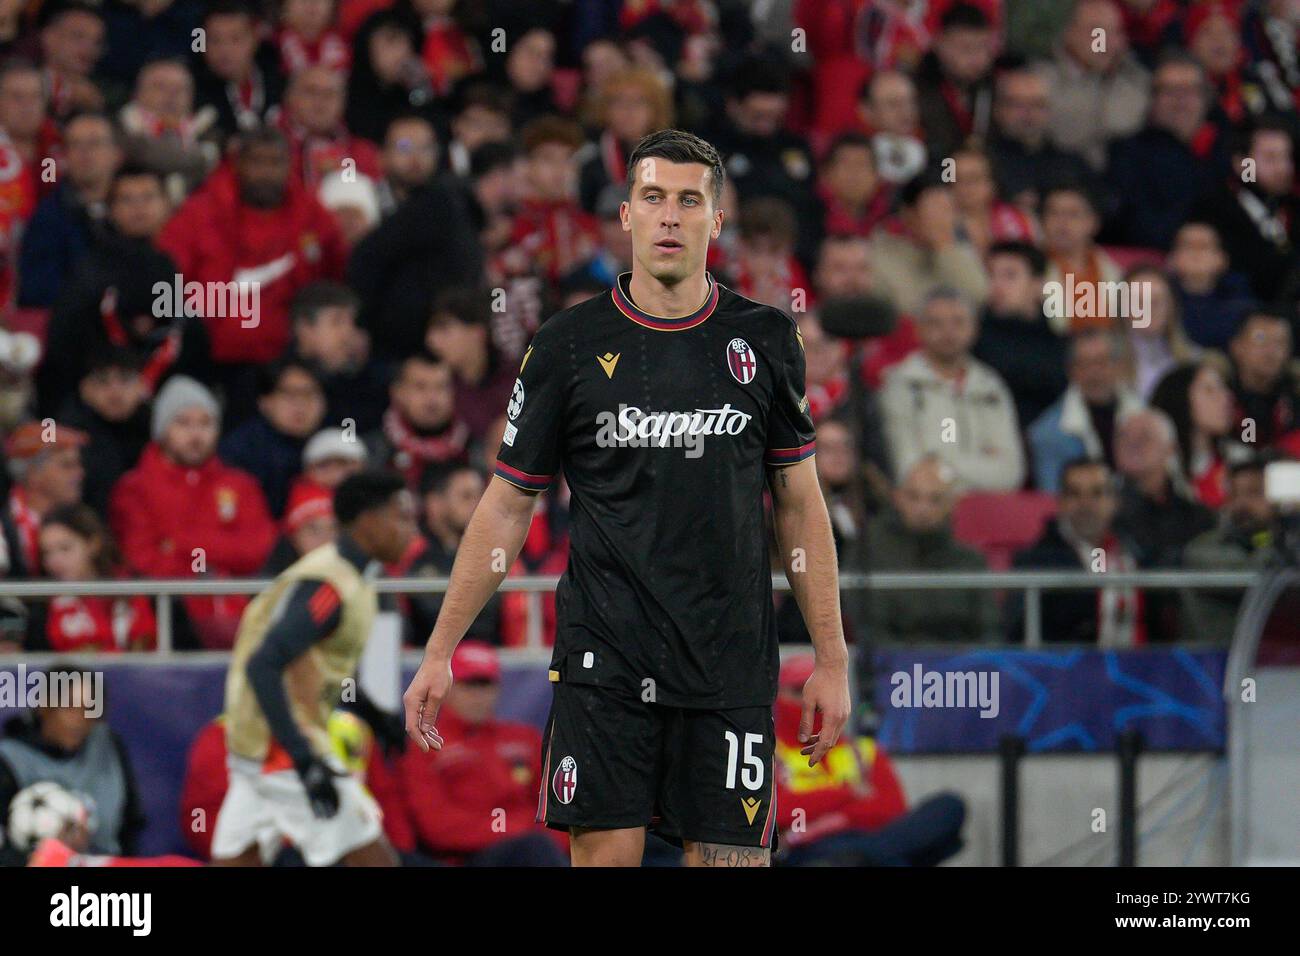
(999, 524)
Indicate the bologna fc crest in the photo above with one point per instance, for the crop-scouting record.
(565, 781)
(742, 361)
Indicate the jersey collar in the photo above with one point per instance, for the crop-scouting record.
(623, 302)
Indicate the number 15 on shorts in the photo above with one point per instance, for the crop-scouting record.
(751, 774)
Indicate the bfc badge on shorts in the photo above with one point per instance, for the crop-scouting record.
(565, 780)
(741, 361)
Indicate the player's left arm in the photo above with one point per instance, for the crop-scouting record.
(803, 533)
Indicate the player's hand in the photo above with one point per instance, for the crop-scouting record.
(423, 699)
(318, 780)
(827, 693)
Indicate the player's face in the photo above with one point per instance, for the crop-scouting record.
(671, 217)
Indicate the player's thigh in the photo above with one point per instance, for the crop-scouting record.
(323, 841)
(600, 760)
(242, 820)
(719, 793)
(624, 847)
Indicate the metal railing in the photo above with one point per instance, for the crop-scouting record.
(1032, 583)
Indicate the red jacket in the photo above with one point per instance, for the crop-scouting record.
(100, 624)
(853, 788)
(214, 237)
(161, 512)
(454, 793)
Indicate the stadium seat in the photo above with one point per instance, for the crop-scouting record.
(999, 524)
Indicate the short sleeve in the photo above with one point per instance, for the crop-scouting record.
(530, 448)
(790, 434)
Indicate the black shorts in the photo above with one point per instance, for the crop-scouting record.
(611, 761)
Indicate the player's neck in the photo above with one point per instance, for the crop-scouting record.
(670, 301)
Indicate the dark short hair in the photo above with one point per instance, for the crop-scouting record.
(261, 135)
(365, 491)
(929, 178)
(1030, 253)
(421, 356)
(1075, 187)
(678, 146)
(268, 376)
(490, 157)
(134, 171)
(848, 141)
(113, 358)
(323, 294)
(551, 129)
(466, 305)
(232, 8)
(964, 16)
(1253, 464)
(758, 74)
(1083, 461)
(1270, 313)
(437, 476)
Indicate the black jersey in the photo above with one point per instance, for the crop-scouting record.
(664, 428)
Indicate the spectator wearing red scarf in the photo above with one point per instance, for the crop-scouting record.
(45, 464)
(311, 118)
(307, 37)
(420, 427)
(854, 197)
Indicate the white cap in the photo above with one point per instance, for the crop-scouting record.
(332, 443)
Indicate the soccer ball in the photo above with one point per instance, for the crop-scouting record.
(43, 810)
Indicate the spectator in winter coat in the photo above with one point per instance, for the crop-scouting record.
(254, 226)
(238, 74)
(162, 131)
(489, 767)
(1081, 423)
(269, 446)
(110, 406)
(1159, 173)
(955, 79)
(181, 512)
(65, 222)
(325, 335)
(1213, 300)
(311, 118)
(923, 251)
(1084, 536)
(1015, 339)
(110, 301)
(75, 546)
(45, 463)
(916, 535)
(941, 401)
(1099, 91)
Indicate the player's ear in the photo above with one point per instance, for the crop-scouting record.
(717, 224)
(625, 215)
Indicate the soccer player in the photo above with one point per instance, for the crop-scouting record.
(299, 640)
(669, 402)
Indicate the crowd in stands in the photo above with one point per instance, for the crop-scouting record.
(1046, 282)
(248, 248)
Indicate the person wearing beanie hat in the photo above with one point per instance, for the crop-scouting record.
(331, 455)
(181, 393)
(181, 511)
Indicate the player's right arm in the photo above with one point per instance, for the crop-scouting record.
(528, 461)
(492, 541)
